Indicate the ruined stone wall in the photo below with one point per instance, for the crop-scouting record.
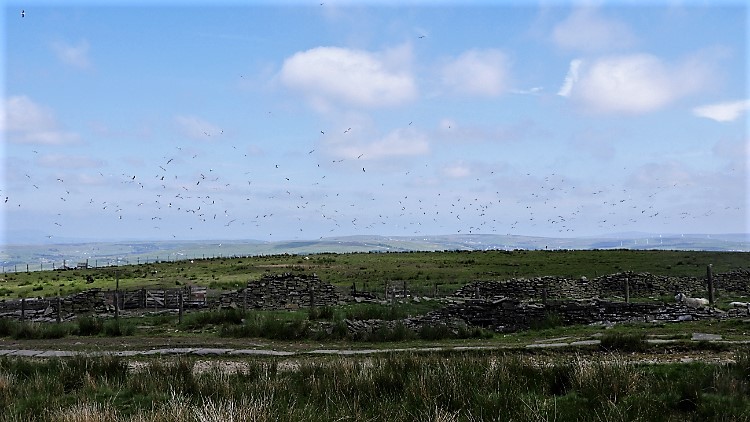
(510, 315)
(282, 291)
(640, 285)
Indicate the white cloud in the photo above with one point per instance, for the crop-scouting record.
(723, 112)
(68, 161)
(457, 170)
(73, 55)
(196, 128)
(636, 83)
(398, 143)
(477, 72)
(586, 30)
(27, 122)
(570, 79)
(333, 75)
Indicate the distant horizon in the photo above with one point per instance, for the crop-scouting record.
(614, 235)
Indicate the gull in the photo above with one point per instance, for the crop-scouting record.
(23, 13)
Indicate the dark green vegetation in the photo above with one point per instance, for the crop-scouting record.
(508, 381)
(318, 324)
(439, 386)
(423, 271)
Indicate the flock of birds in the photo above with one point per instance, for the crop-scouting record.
(184, 191)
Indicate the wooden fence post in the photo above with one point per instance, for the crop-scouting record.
(627, 290)
(710, 280)
(23, 309)
(117, 305)
(180, 304)
(59, 310)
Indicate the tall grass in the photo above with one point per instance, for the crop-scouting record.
(468, 386)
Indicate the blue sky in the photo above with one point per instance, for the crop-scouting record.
(304, 120)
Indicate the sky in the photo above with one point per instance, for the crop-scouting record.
(299, 120)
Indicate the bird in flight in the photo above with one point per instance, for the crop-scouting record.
(23, 13)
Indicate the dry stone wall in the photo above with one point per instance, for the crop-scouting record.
(511, 315)
(283, 291)
(640, 285)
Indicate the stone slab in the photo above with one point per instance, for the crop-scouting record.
(705, 337)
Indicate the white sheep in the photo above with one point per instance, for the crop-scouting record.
(693, 302)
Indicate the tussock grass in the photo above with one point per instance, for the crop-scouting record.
(624, 342)
(440, 386)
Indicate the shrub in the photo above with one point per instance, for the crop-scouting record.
(222, 316)
(117, 328)
(624, 342)
(316, 313)
(550, 320)
(89, 326)
(37, 331)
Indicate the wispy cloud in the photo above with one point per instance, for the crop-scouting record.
(457, 170)
(723, 112)
(76, 55)
(196, 128)
(570, 79)
(398, 143)
(483, 73)
(26, 122)
(633, 84)
(68, 161)
(587, 30)
(340, 76)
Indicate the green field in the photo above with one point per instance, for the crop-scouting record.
(422, 270)
(492, 376)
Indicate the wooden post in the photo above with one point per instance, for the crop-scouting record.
(710, 279)
(27, 268)
(180, 304)
(23, 309)
(627, 290)
(312, 297)
(117, 305)
(403, 293)
(434, 290)
(385, 289)
(143, 298)
(476, 291)
(244, 299)
(544, 292)
(59, 310)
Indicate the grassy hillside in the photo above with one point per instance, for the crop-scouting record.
(449, 270)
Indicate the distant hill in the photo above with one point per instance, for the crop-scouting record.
(109, 253)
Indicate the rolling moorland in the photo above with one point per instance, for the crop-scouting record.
(43, 256)
(626, 372)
